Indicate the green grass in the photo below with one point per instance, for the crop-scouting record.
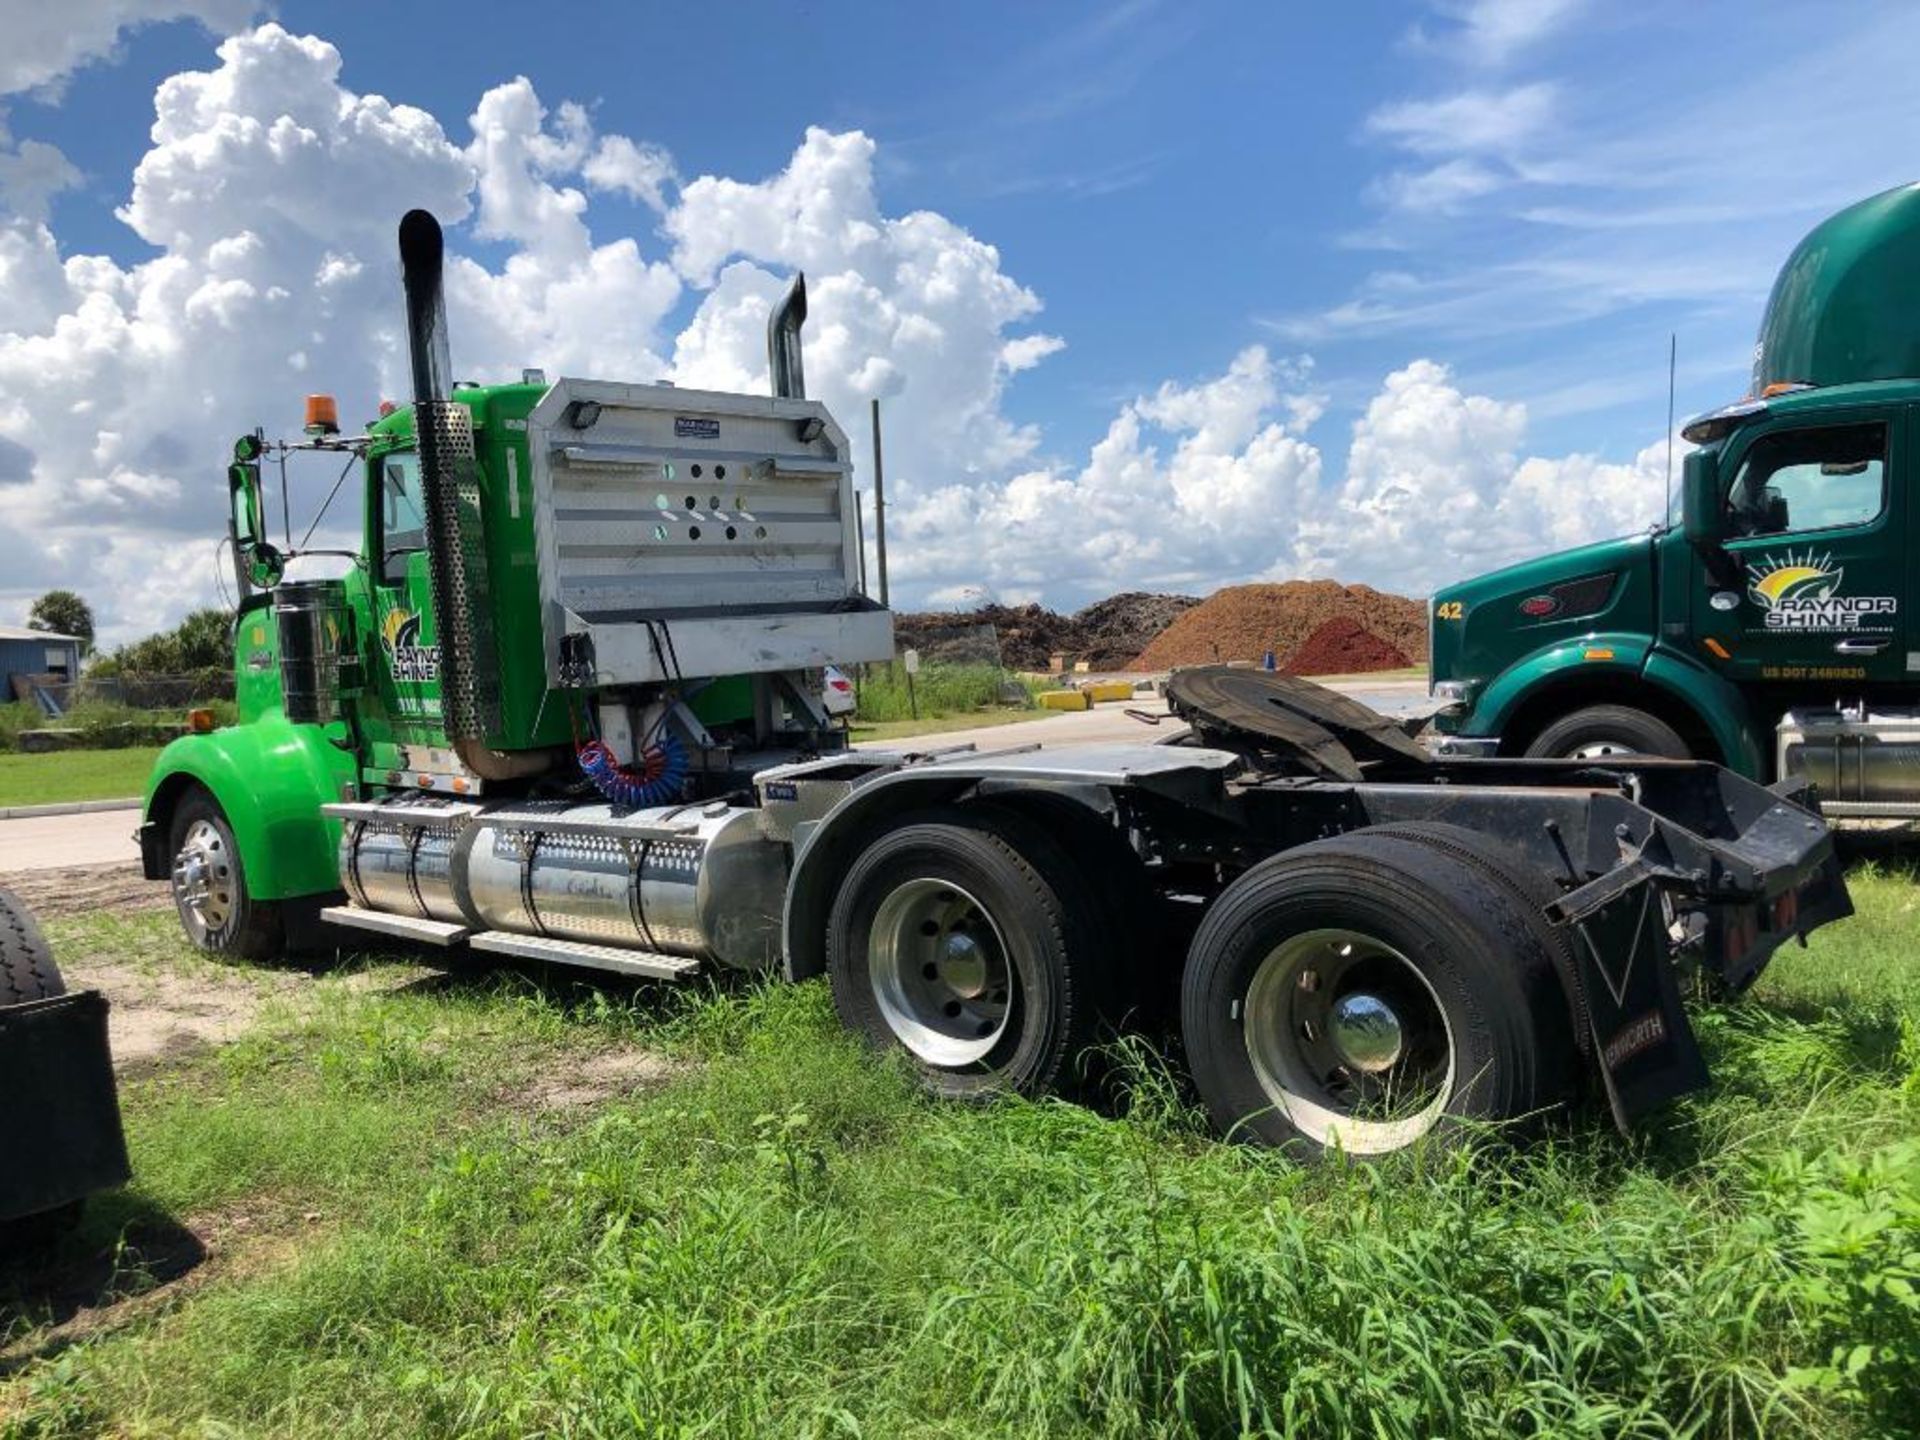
(940, 724)
(75, 775)
(788, 1239)
(938, 690)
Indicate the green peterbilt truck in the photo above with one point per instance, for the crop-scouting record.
(564, 704)
(1767, 625)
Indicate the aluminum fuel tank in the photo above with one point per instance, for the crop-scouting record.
(683, 879)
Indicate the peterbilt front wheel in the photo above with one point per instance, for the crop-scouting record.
(209, 884)
(1603, 730)
(970, 940)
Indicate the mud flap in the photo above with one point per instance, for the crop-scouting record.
(1641, 1036)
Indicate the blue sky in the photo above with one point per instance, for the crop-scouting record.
(1523, 196)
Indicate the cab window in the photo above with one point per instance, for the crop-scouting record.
(1810, 480)
(403, 523)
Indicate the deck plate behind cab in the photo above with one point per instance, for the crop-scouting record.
(1329, 732)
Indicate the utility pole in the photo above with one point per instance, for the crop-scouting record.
(880, 506)
(860, 525)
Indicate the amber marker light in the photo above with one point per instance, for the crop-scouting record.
(200, 722)
(1717, 648)
(323, 416)
(1597, 654)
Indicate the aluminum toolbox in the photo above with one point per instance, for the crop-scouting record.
(694, 533)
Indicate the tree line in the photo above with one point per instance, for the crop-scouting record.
(201, 642)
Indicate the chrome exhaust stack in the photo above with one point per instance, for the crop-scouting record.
(450, 491)
(783, 341)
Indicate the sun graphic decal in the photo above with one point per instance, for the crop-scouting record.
(1793, 577)
(400, 637)
(1801, 592)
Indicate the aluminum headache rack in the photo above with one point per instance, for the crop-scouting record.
(690, 532)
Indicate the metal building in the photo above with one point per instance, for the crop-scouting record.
(35, 657)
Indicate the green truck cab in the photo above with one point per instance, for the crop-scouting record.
(1767, 623)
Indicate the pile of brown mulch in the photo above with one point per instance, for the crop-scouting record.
(1244, 622)
(1343, 646)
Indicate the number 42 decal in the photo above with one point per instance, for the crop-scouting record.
(1450, 610)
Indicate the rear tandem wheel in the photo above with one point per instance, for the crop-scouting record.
(973, 941)
(1364, 992)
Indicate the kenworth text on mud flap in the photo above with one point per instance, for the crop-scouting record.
(1770, 624)
(565, 705)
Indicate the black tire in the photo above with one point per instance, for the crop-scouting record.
(1043, 951)
(1532, 891)
(217, 911)
(1620, 729)
(1371, 919)
(27, 971)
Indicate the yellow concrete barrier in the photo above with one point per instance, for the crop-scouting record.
(1064, 700)
(1103, 690)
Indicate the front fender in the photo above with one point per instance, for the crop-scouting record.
(1719, 705)
(270, 778)
(1588, 657)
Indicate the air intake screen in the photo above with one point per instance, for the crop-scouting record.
(1585, 596)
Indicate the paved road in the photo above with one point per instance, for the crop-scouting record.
(50, 842)
(1111, 722)
(54, 841)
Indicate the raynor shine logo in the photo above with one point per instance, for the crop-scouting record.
(1802, 592)
(400, 638)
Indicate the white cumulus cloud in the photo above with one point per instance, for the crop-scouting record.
(270, 192)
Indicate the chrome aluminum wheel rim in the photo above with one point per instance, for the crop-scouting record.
(1349, 1041)
(203, 881)
(1600, 750)
(940, 974)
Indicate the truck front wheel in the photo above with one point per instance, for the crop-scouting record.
(1602, 730)
(1365, 992)
(209, 883)
(970, 939)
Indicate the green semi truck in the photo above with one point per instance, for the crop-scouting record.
(1768, 624)
(563, 703)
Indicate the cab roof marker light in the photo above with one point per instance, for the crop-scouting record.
(1718, 424)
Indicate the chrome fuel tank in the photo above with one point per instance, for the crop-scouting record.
(698, 880)
(1865, 764)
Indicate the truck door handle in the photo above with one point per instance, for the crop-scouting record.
(1860, 647)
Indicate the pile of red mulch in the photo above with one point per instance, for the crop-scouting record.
(1343, 646)
(1244, 622)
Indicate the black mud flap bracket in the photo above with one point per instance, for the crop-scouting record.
(1641, 1036)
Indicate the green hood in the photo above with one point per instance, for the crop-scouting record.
(1483, 625)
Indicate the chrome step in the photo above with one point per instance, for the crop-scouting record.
(651, 964)
(402, 927)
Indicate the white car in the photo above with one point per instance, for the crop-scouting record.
(837, 692)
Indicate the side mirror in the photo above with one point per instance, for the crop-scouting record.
(259, 560)
(1703, 515)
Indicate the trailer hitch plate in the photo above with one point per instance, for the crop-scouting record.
(1329, 732)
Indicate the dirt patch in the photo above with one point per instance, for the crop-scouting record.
(1343, 646)
(88, 890)
(1244, 622)
(593, 1079)
(71, 1291)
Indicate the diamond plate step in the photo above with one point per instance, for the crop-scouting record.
(403, 927)
(648, 963)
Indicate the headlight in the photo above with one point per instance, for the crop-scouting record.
(1451, 692)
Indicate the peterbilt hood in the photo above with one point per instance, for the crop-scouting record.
(1482, 625)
